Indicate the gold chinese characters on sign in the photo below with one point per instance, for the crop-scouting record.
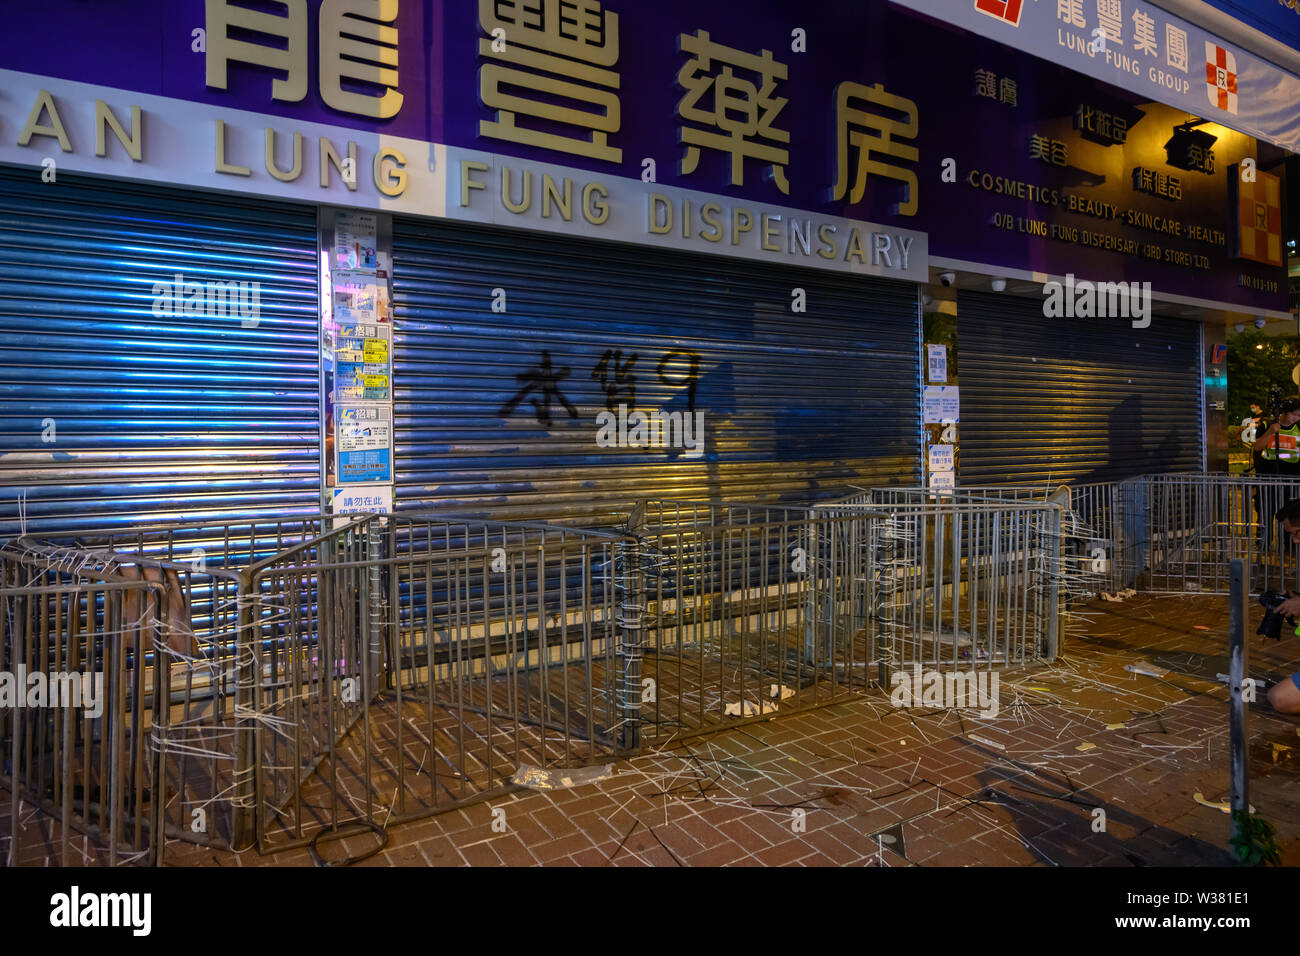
(861, 131)
(353, 47)
(555, 49)
(732, 103)
(356, 49)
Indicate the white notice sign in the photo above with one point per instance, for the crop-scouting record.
(942, 482)
(941, 404)
(941, 458)
(938, 362)
(364, 499)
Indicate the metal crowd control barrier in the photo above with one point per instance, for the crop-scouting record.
(72, 742)
(957, 582)
(318, 676)
(1095, 547)
(1171, 533)
(743, 613)
(160, 615)
(398, 685)
(279, 682)
(1188, 527)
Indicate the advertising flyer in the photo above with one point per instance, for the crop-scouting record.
(363, 443)
(942, 482)
(362, 354)
(355, 242)
(360, 297)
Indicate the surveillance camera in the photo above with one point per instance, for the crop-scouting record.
(999, 285)
(947, 278)
(1260, 323)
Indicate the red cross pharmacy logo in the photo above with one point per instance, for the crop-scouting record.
(1221, 77)
(1006, 10)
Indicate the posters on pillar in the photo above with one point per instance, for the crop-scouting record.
(942, 462)
(363, 357)
(363, 443)
(937, 356)
(356, 242)
(941, 405)
(359, 297)
(357, 362)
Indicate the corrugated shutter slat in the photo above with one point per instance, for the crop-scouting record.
(156, 417)
(796, 405)
(1074, 399)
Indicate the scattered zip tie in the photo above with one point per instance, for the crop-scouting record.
(1224, 805)
(1150, 670)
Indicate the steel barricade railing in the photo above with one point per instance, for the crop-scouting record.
(519, 643)
(960, 582)
(195, 727)
(87, 674)
(495, 646)
(1094, 546)
(1170, 533)
(305, 673)
(345, 672)
(1188, 527)
(746, 612)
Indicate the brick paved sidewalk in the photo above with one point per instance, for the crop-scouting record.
(864, 783)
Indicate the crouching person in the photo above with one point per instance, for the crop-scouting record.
(1285, 694)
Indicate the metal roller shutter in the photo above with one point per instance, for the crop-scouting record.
(155, 417)
(796, 405)
(1074, 399)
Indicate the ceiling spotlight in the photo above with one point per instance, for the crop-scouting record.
(999, 285)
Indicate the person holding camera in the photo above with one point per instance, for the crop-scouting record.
(1278, 446)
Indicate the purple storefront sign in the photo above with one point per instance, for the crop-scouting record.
(868, 112)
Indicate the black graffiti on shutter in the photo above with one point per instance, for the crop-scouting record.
(689, 378)
(611, 363)
(547, 379)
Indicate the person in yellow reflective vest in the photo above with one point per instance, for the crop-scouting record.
(1279, 446)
